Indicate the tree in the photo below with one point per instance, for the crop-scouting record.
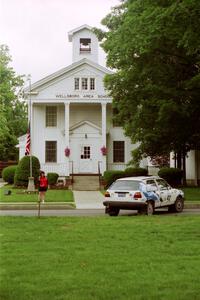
(13, 112)
(154, 48)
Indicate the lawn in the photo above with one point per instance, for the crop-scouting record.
(192, 193)
(18, 195)
(153, 258)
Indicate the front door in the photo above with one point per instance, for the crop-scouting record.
(86, 164)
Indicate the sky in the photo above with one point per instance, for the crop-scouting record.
(36, 31)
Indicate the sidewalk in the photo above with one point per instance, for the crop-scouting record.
(88, 199)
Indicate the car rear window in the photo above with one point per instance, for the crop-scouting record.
(125, 185)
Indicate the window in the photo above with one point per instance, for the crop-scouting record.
(92, 83)
(76, 83)
(85, 45)
(84, 84)
(162, 184)
(125, 185)
(85, 152)
(118, 151)
(51, 116)
(50, 151)
(151, 183)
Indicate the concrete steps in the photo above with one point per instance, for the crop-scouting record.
(86, 183)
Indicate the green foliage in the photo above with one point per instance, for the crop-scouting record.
(172, 175)
(136, 172)
(13, 111)
(8, 174)
(111, 176)
(154, 48)
(52, 178)
(23, 171)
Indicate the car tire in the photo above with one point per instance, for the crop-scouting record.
(177, 206)
(150, 208)
(147, 210)
(113, 211)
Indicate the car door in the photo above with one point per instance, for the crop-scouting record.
(164, 192)
(154, 195)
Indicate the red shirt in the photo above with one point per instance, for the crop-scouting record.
(43, 182)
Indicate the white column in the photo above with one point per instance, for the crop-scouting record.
(103, 124)
(103, 130)
(67, 134)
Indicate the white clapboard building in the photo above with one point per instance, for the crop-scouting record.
(70, 115)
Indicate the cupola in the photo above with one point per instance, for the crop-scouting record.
(84, 44)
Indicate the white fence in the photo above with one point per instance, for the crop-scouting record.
(118, 167)
(61, 169)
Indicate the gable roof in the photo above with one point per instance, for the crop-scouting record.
(71, 33)
(82, 123)
(61, 72)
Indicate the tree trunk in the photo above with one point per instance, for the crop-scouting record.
(184, 167)
(179, 160)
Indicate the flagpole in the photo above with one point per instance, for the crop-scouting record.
(31, 184)
(30, 122)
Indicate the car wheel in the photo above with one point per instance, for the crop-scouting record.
(113, 212)
(177, 206)
(150, 208)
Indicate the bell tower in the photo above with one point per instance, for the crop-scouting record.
(84, 44)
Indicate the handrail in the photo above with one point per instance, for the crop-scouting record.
(99, 173)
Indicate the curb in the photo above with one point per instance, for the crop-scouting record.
(64, 206)
(34, 206)
(191, 205)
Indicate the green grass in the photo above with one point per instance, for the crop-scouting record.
(192, 193)
(18, 195)
(153, 258)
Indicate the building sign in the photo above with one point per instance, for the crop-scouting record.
(82, 96)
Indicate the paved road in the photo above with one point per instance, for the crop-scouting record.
(87, 212)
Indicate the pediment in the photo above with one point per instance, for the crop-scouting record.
(58, 79)
(85, 127)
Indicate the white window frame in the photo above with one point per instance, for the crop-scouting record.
(50, 115)
(92, 83)
(89, 84)
(49, 154)
(77, 83)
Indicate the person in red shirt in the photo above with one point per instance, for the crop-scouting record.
(43, 186)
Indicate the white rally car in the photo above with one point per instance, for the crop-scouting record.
(144, 194)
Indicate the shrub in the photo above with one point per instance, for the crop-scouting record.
(8, 174)
(52, 178)
(172, 175)
(135, 172)
(23, 171)
(111, 176)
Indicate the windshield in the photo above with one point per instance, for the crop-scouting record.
(125, 185)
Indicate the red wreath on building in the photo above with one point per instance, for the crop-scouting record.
(67, 152)
(104, 150)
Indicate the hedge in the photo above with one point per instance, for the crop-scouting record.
(8, 174)
(172, 175)
(23, 171)
(136, 172)
(52, 178)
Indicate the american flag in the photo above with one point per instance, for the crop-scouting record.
(28, 142)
